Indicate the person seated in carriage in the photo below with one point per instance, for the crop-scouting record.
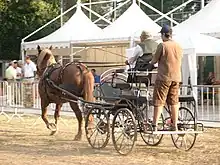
(142, 55)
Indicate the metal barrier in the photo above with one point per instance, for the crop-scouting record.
(208, 101)
(22, 97)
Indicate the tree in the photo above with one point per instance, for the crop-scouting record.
(21, 17)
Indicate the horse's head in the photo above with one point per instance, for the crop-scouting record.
(44, 59)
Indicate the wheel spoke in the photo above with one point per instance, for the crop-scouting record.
(98, 134)
(187, 123)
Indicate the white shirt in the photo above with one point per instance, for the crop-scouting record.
(18, 71)
(138, 52)
(10, 73)
(29, 69)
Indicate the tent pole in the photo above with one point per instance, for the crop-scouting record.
(157, 11)
(171, 11)
(119, 6)
(171, 23)
(96, 14)
(48, 23)
(71, 53)
(115, 10)
(61, 12)
(60, 59)
(22, 51)
(90, 7)
(202, 3)
(162, 12)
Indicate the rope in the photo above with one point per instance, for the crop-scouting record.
(111, 52)
(105, 66)
(93, 62)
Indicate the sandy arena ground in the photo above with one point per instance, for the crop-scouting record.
(22, 144)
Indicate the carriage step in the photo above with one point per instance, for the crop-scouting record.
(173, 132)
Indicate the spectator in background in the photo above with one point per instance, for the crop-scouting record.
(211, 79)
(10, 76)
(29, 69)
(96, 77)
(30, 87)
(10, 72)
(18, 70)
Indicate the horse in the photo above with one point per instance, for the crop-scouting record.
(74, 75)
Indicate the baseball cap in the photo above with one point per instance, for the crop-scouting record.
(166, 29)
(14, 61)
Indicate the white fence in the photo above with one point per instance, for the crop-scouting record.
(13, 97)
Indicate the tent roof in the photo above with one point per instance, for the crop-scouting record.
(78, 27)
(131, 23)
(206, 20)
(202, 44)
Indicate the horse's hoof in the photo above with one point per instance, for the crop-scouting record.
(52, 127)
(77, 138)
(52, 133)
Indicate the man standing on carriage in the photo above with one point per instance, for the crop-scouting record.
(169, 58)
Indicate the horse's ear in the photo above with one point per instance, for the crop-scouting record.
(38, 48)
(51, 47)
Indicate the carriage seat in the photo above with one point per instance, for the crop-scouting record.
(119, 70)
(122, 86)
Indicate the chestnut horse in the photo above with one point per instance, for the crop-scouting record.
(77, 76)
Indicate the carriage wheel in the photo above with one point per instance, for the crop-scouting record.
(186, 122)
(124, 131)
(148, 138)
(97, 127)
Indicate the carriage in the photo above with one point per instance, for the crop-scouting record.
(130, 112)
(124, 114)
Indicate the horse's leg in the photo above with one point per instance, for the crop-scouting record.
(56, 116)
(78, 113)
(44, 106)
(57, 112)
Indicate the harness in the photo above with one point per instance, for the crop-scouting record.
(47, 73)
(82, 67)
(50, 69)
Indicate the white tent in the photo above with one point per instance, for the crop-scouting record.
(205, 21)
(196, 45)
(129, 24)
(78, 27)
(204, 45)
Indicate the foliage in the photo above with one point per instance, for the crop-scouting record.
(21, 17)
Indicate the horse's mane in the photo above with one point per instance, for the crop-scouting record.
(43, 54)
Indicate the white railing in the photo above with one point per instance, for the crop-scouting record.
(23, 96)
